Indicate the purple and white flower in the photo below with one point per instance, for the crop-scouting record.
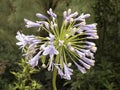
(80, 68)
(34, 61)
(25, 40)
(72, 39)
(50, 67)
(51, 13)
(50, 50)
(31, 23)
(41, 16)
(67, 72)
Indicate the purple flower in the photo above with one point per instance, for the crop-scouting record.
(46, 24)
(87, 28)
(88, 61)
(41, 16)
(90, 43)
(21, 38)
(82, 17)
(24, 40)
(34, 61)
(67, 72)
(93, 49)
(91, 26)
(73, 15)
(81, 54)
(50, 12)
(50, 67)
(31, 24)
(72, 37)
(92, 36)
(88, 53)
(80, 68)
(85, 64)
(60, 72)
(68, 16)
(50, 50)
(64, 14)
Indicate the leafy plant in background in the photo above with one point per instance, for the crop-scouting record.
(23, 76)
(72, 40)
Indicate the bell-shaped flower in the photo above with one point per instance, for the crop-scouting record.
(80, 68)
(90, 43)
(50, 67)
(51, 13)
(82, 17)
(41, 16)
(93, 37)
(60, 72)
(88, 53)
(21, 38)
(80, 54)
(34, 61)
(88, 61)
(93, 49)
(66, 13)
(85, 64)
(67, 72)
(50, 50)
(24, 40)
(46, 24)
(31, 23)
(73, 15)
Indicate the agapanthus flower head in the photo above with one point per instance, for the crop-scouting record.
(72, 39)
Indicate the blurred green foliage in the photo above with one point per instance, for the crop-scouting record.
(23, 76)
(105, 75)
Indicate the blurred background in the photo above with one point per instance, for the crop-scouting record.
(105, 75)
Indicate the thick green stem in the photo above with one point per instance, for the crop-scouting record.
(54, 79)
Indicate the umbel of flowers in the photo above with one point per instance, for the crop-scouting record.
(65, 45)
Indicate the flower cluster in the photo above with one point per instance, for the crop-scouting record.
(64, 46)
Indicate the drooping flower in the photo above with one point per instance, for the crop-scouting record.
(67, 72)
(50, 67)
(60, 72)
(34, 61)
(80, 68)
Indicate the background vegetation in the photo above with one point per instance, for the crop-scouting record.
(105, 75)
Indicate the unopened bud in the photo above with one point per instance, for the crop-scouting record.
(44, 66)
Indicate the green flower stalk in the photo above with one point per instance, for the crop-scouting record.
(65, 45)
